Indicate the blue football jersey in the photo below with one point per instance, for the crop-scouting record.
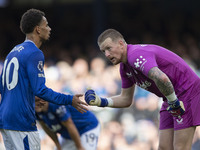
(56, 114)
(22, 79)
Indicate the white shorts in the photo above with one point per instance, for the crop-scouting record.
(19, 140)
(89, 140)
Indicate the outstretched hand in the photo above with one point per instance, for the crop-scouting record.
(78, 104)
(91, 98)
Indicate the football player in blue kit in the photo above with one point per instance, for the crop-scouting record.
(21, 80)
(78, 131)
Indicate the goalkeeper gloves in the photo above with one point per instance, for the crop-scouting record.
(92, 99)
(176, 108)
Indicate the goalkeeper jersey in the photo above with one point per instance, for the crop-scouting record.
(21, 80)
(141, 58)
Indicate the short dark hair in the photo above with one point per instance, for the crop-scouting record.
(30, 19)
(109, 33)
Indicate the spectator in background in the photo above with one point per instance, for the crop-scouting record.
(80, 76)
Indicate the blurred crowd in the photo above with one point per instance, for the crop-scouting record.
(74, 63)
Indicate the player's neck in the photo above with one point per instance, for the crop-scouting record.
(124, 55)
(34, 39)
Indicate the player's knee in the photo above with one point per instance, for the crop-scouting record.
(165, 146)
(181, 146)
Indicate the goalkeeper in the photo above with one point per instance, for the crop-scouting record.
(161, 72)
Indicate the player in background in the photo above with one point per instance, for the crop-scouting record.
(161, 72)
(21, 79)
(78, 131)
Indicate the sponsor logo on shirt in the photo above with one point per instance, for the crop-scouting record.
(144, 84)
(41, 75)
(139, 63)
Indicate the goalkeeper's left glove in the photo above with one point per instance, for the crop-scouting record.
(92, 99)
(176, 108)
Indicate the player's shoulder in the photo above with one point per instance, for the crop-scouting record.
(135, 52)
(139, 48)
(26, 49)
(31, 47)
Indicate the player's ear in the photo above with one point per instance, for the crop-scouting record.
(37, 29)
(121, 42)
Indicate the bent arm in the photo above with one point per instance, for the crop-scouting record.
(73, 132)
(125, 99)
(161, 80)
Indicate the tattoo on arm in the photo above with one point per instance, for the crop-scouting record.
(161, 80)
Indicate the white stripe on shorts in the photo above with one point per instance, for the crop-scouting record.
(19, 140)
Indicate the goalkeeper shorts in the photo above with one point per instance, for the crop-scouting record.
(190, 118)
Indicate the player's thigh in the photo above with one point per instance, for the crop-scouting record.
(89, 139)
(19, 140)
(183, 138)
(7, 142)
(166, 139)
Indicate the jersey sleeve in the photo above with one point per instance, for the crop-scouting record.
(126, 82)
(35, 71)
(142, 60)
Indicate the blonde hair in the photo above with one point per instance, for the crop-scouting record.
(109, 33)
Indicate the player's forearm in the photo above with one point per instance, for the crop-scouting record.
(120, 101)
(54, 97)
(73, 132)
(125, 99)
(76, 138)
(162, 81)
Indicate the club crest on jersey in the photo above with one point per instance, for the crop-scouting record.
(139, 63)
(40, 66)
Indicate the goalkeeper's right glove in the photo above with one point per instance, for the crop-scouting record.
(92, 99)
(176, 108)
